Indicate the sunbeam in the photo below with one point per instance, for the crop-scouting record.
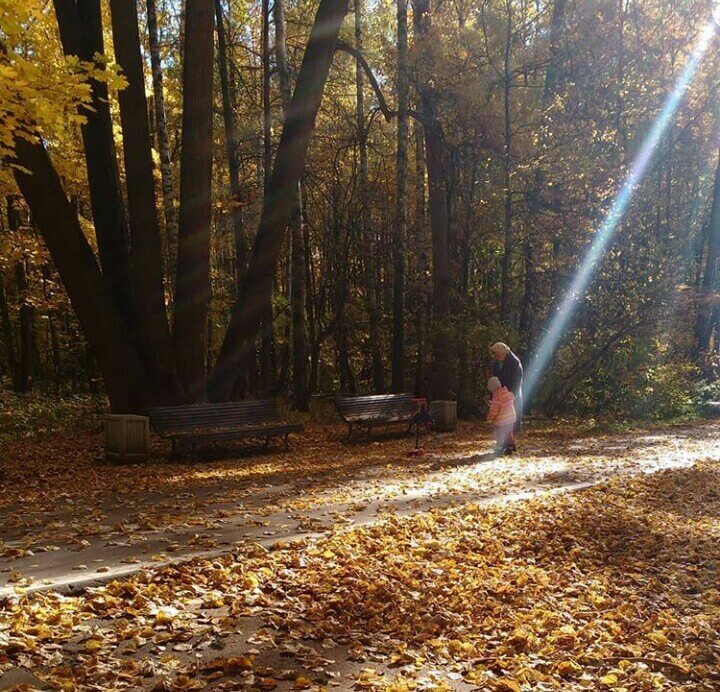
(578, 287)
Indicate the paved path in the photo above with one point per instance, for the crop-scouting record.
(76, 544)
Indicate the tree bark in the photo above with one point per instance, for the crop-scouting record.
(169, 211)
(366, 231)
(228, 104)
(420, 293)
(81, 33)
(23, 379)
(506, 297)
(442, 346)
(145, 240)
(398, 339)
(8, 337)
(301, 391)
(279, 200)
(58, 223)
(192, 293)
(538, 201)
(227, 91)
(267, 333)
(708, 290)
(27, 329)
(55, 355)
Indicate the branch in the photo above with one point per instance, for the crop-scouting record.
(347, 48)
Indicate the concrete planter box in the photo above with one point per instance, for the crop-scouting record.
(127, 438)
(444, 414)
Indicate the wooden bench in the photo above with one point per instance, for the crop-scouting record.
(202, 424)
(366, 412)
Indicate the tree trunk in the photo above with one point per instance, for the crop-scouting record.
(55, 356)
(398, 342)
(367, 233)
(27, 329)
(8, 339)
(81, 32)
(301, 392)
(26, 360)
(171, 223)
(538, 202)
(506, 297)
(228, 104)
(314, 346)
(420, 294)
(192, 293)
(441, 381)
(280, 198)
(58, 223)
(708, 291)
(267, 333)
(227, 90)
(145, 241)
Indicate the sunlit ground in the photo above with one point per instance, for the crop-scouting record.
(83, 515)
(613, 587)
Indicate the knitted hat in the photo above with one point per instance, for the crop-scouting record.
(494, 384)
(500, 347)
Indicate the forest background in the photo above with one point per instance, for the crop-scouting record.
(462, 157)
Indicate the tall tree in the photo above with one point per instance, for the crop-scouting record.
(300, 366)
(267, 342)
(709, 288)
(367, 232)
(280, 198)
(26, 317)
(228, 94)
(509, 240)
(420, 288)
(436, 161)
(231, 148)
(57, 220)
(538, 197)
(398, 342)
(145, 241)
(81, 33)
(8, 337)
(192, 293)
(166, 176)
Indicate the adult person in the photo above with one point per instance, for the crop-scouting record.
(509, 370)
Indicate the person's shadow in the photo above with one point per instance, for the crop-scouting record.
(467, 461)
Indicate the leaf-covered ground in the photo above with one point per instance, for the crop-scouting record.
(611, 587)
(79, 518)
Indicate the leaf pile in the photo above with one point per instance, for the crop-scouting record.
(611, 588)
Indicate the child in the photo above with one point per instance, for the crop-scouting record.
(502, 415)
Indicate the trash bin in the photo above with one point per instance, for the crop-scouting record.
(444, 414)
(127, 438)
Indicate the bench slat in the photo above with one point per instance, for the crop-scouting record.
(379, 409)
(221, 422)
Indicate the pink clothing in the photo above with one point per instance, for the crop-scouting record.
(502, 408)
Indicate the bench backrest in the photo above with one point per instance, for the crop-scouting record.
(208, 416)
(378, 406)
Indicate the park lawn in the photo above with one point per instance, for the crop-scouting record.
(614, 587)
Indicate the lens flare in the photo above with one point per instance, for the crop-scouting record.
(578, 287)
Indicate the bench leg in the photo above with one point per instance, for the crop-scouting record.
(287, 436)
(267, 442)
(349, 431)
